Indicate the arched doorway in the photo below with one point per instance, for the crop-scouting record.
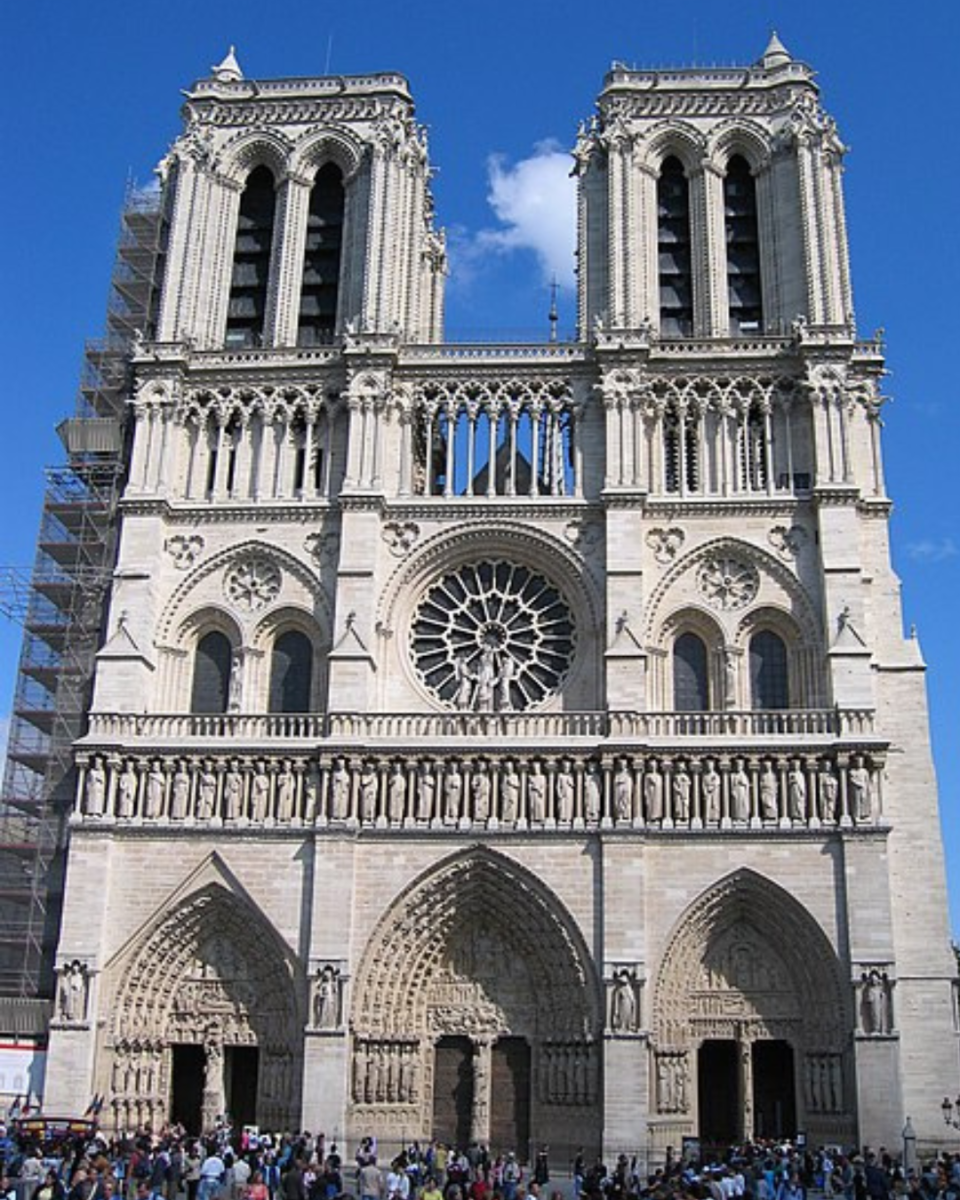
(476, 1013)
(207, 1016)
(750, 1017)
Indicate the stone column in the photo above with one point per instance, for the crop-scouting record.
(482, 1073)
(214, 1096)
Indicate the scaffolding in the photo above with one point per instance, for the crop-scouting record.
(62, 609)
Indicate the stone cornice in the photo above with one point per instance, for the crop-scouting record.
(189, 512)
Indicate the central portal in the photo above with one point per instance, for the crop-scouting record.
(729, 1073)
(510, 1097)
(453, 1091)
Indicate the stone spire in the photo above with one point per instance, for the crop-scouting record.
(776, 54)
(229, 70)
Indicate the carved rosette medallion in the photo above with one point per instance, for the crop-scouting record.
(252, 583)
(726, 582)
(493, 636)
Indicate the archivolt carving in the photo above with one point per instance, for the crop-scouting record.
(313, 150)
(738, 136)
(746, 952)
(250, 149)
(437, 959)
(671, 137)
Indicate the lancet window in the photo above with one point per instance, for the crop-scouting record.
(743, 248)
(691, 687)
(252, 253)
(211, 674)
(681, 450)
(673, 244)
(321, 259)
(769, 679)
(754, 448)
(490, 445)
(291, 671)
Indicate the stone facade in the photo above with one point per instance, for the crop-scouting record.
(539, 714)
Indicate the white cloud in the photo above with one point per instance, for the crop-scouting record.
(535, 201)
(930, 550)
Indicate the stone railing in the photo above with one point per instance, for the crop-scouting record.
(493, 789)
(652, 727)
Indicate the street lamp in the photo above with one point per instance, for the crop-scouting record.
(951, 1111)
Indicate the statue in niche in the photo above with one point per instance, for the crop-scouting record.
(829, 791)
(310, 794)
(622, 791)
(397, 793)
(153, 791)
(339, 791)
(368, 792)
(480, 791)
(232, 792)
(235, 689)
(96, 788)
(508, 669)
(486, 681)
(286, 793)
(326, 1004)
(565, 789)
(796, 792)
(653, 792)
(537, 793)
(426, 791)
(464, 694)
(729, 679)
(739, 793)
(127, 791)
(72, 992)
(180, 796)
(681, 794)
(711, 794)
(509, 793)
(875, 1001)
(860, 790)
(592, 795)
(206, 794)
(623, 1007)
(768, 794)
(260, 794)
(452, 794)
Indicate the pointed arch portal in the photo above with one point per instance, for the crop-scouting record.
(751, 1021)
(476, 1012)
(207, 1016)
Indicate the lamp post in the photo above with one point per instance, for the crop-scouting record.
(951, 1112)
(909, 1149)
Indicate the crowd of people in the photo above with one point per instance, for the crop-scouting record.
(169, 1165)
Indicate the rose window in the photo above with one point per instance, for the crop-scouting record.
(493, 637)
(252, 583)
(726, 582)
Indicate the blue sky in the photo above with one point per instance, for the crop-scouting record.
(92, 97)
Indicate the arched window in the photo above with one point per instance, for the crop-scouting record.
(681, 450)
(211, 674)
(752, 448)
(691, 690)
(743, 248)
(246, 313)
(769, 682)
(673, 243)
(321, 259)
(291, 668)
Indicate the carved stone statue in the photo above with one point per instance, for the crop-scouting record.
(326, 1014)
(622, 791)
(464, 676)
(206, 794)
(259, 795)
(480, 792)
(397, 793)
(711, 794)
(829, 790)
(286, 793)
(127, 791)
(509, 793)
(565, 790)
(681, 794)
(769, 792)
(623, 1007)
(537, 793)
(96, 788)
(861, 799)
(592, 795)
(653, 792)
(426, 792)
(180, 797)
(508, 669)
(72, 992)
(339, 791)
(739, 793)
(486, 681)
(153, 791)
(235, 691)
(796, 792)
(875, 1001)
(368, 792)
(232, 793)
(452, 794)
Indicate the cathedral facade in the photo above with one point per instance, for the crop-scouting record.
(515, 743)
